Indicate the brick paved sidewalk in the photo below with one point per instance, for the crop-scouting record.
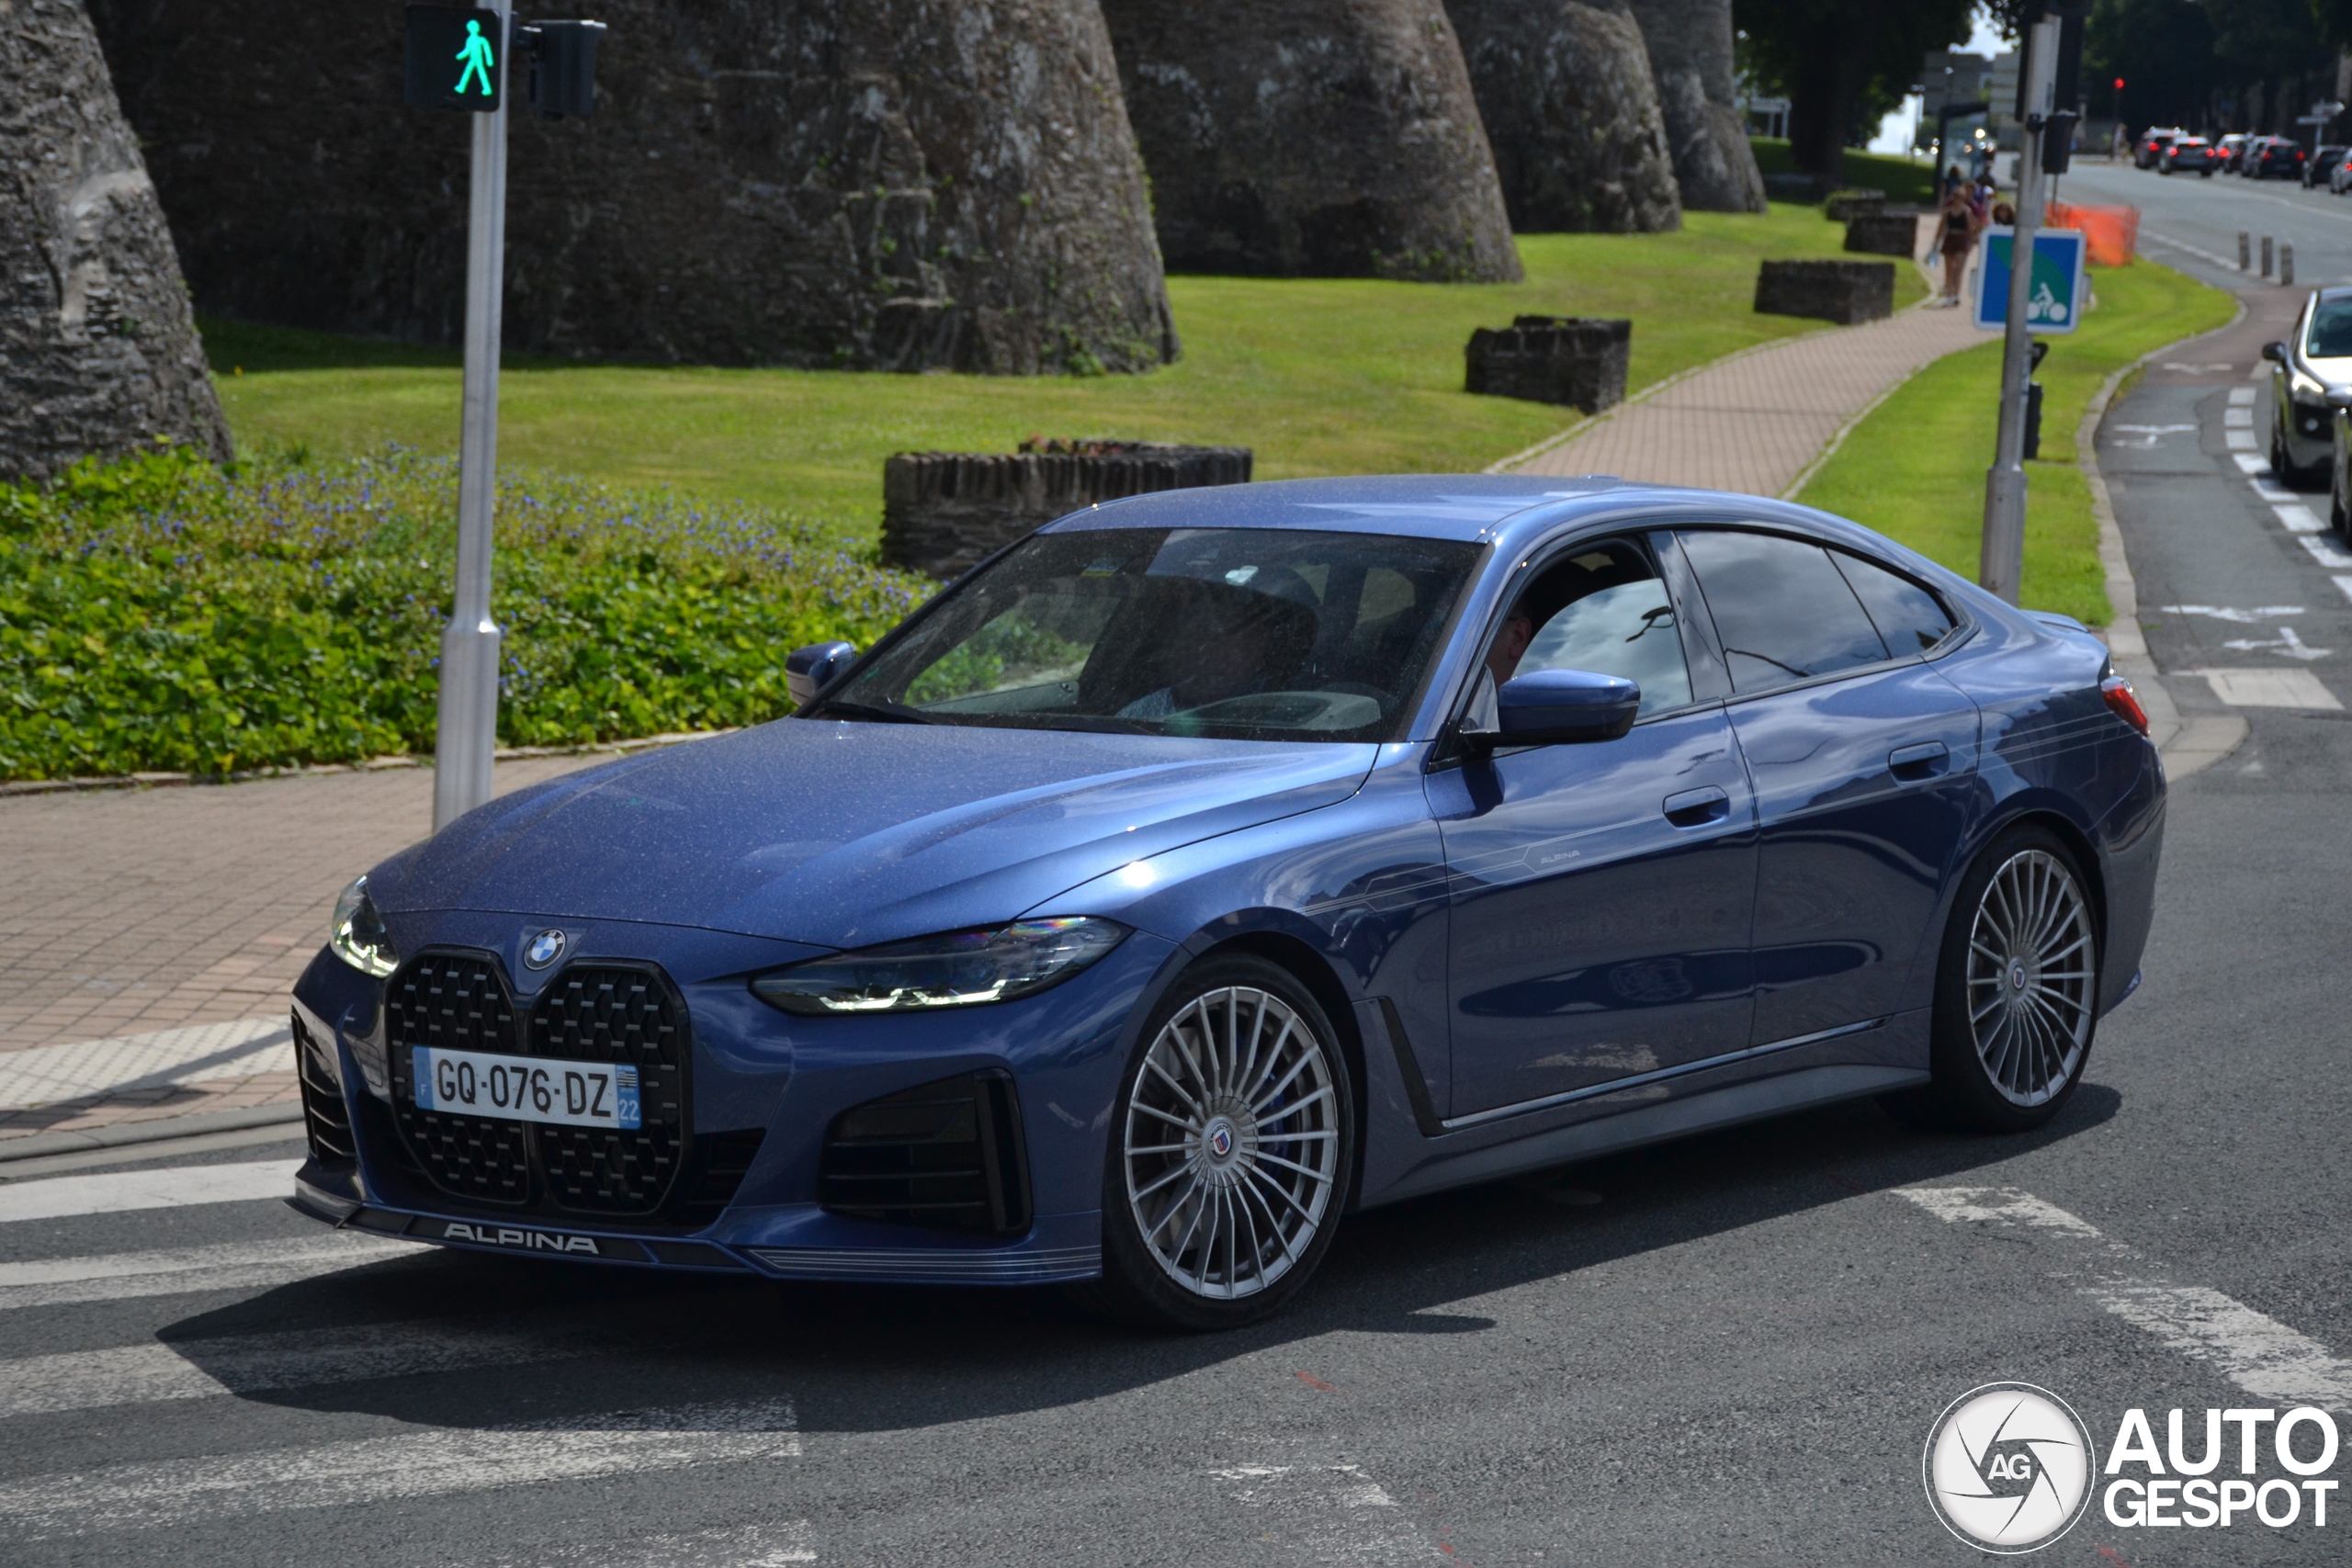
(1756, 421)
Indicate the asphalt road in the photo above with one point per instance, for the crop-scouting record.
(1726, 1350)
(2194, 223)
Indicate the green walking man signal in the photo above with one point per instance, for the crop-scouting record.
(476, 55)
(454, 62)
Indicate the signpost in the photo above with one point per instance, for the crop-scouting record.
(459, 57)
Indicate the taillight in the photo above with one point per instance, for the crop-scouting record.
(2124, 703)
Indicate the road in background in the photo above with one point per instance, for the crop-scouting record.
(2193, 223)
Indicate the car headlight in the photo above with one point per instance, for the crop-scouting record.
(358, 934)
(953, 970)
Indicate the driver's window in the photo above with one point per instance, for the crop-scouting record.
(1604, 609)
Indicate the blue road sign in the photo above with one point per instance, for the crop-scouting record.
(2055, 303)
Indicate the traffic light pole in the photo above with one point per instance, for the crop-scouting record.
(2001, 563)
(467, 735)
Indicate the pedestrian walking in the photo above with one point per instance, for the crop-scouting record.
(1957, 227)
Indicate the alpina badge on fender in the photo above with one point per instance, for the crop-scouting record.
(532, 1241)
(543, 950)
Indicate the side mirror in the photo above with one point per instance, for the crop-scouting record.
(808, 671)
(2275, 352)
(1551, 707)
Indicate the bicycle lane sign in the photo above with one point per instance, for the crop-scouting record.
(2054, 301)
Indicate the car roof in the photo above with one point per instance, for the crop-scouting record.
(1506, 510)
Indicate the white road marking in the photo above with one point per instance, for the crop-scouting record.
(2286, 645)
(2222, 262)
(2344, 585)
(2258, 1353)
(2237, 419)
(2241, 397)
(1324, 1513)
(2270, 493)
(2327, 555)
(2233, 613)
(2270, 689)
(2238, 440)
(2247, 462)
(2299, 518)
(752, 1546)
(2196, 370)
(58, 1197)
(162, 1494)
(201, 1368)
(231, 1266)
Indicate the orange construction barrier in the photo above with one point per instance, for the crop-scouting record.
(2111, 234)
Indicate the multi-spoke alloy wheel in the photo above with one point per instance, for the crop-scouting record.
(2033, 990)
(2017, 990)
(1232, 1141)
(1231, 1152)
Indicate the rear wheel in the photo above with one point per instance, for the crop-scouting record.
(1232, 1150)
(2017, 990)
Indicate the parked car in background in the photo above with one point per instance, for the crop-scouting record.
(2311, 369)
(2274, 158)
(2150, 150)
(2188, 154)
(2229, 148)
(2316, 169)
(1212, 863)
(2339, 173)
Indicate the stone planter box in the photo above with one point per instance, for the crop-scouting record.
(1578, 361)
(1844, 206)
(1884, 234)
(943, 512)
(1845, 292)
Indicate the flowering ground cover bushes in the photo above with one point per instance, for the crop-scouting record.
(162, 614)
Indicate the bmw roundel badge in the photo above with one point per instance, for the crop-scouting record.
(543, 950)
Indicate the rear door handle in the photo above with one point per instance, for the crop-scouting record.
(1697, 808)
(1923, 760)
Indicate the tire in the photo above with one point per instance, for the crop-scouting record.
(1202, 1240)
(2009, 1046)
(2280, 463)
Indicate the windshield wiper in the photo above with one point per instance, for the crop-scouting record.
(886, 713)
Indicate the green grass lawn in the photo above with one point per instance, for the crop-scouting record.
(1900, 177)
(1914, 469)
(1318, 376)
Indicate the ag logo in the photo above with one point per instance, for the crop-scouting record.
(2009, 1468)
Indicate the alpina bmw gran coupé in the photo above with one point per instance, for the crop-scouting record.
(1210, 864)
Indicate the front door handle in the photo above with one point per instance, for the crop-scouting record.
(1697, 808)
(1923, 760)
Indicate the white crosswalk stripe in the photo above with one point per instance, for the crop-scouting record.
(375, 1470)
(752, 1546)
(133, 1374)
(167, 1272)
(62, 1197)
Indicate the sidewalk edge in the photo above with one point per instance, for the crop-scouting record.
(124, 1134)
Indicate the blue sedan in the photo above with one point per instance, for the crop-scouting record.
(1211, 864)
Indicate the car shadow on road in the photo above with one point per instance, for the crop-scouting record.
(875, 1358)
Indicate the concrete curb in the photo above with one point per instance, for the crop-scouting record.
(2187, 745)
(126, 1135)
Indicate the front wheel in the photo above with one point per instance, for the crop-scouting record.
(2017, 990)
(1232, 1150)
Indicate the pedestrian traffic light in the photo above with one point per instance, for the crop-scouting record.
(455, 59)
(564, 67)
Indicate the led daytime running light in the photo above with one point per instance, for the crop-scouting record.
(968, 969)
(357, 935)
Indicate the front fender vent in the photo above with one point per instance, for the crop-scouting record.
(947, 1155)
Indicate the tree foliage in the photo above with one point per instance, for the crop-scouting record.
(1842, 63)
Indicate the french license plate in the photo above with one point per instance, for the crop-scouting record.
(526, 1089)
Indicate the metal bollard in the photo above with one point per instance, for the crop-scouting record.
(2266, 256)
(2286, 261)
(2245, 251)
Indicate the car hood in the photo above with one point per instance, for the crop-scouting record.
(845, 834)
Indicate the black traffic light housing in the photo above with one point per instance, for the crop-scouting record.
(564, 67)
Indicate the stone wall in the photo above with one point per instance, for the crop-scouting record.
(98, 354)
(1690, 45)
(1569, 105)
(944, 512)
(893, 184)
(1312, 138)
(1578, 361)
(1847, 292)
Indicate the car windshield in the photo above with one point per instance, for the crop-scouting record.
(2331, 332)
(1253, 634)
